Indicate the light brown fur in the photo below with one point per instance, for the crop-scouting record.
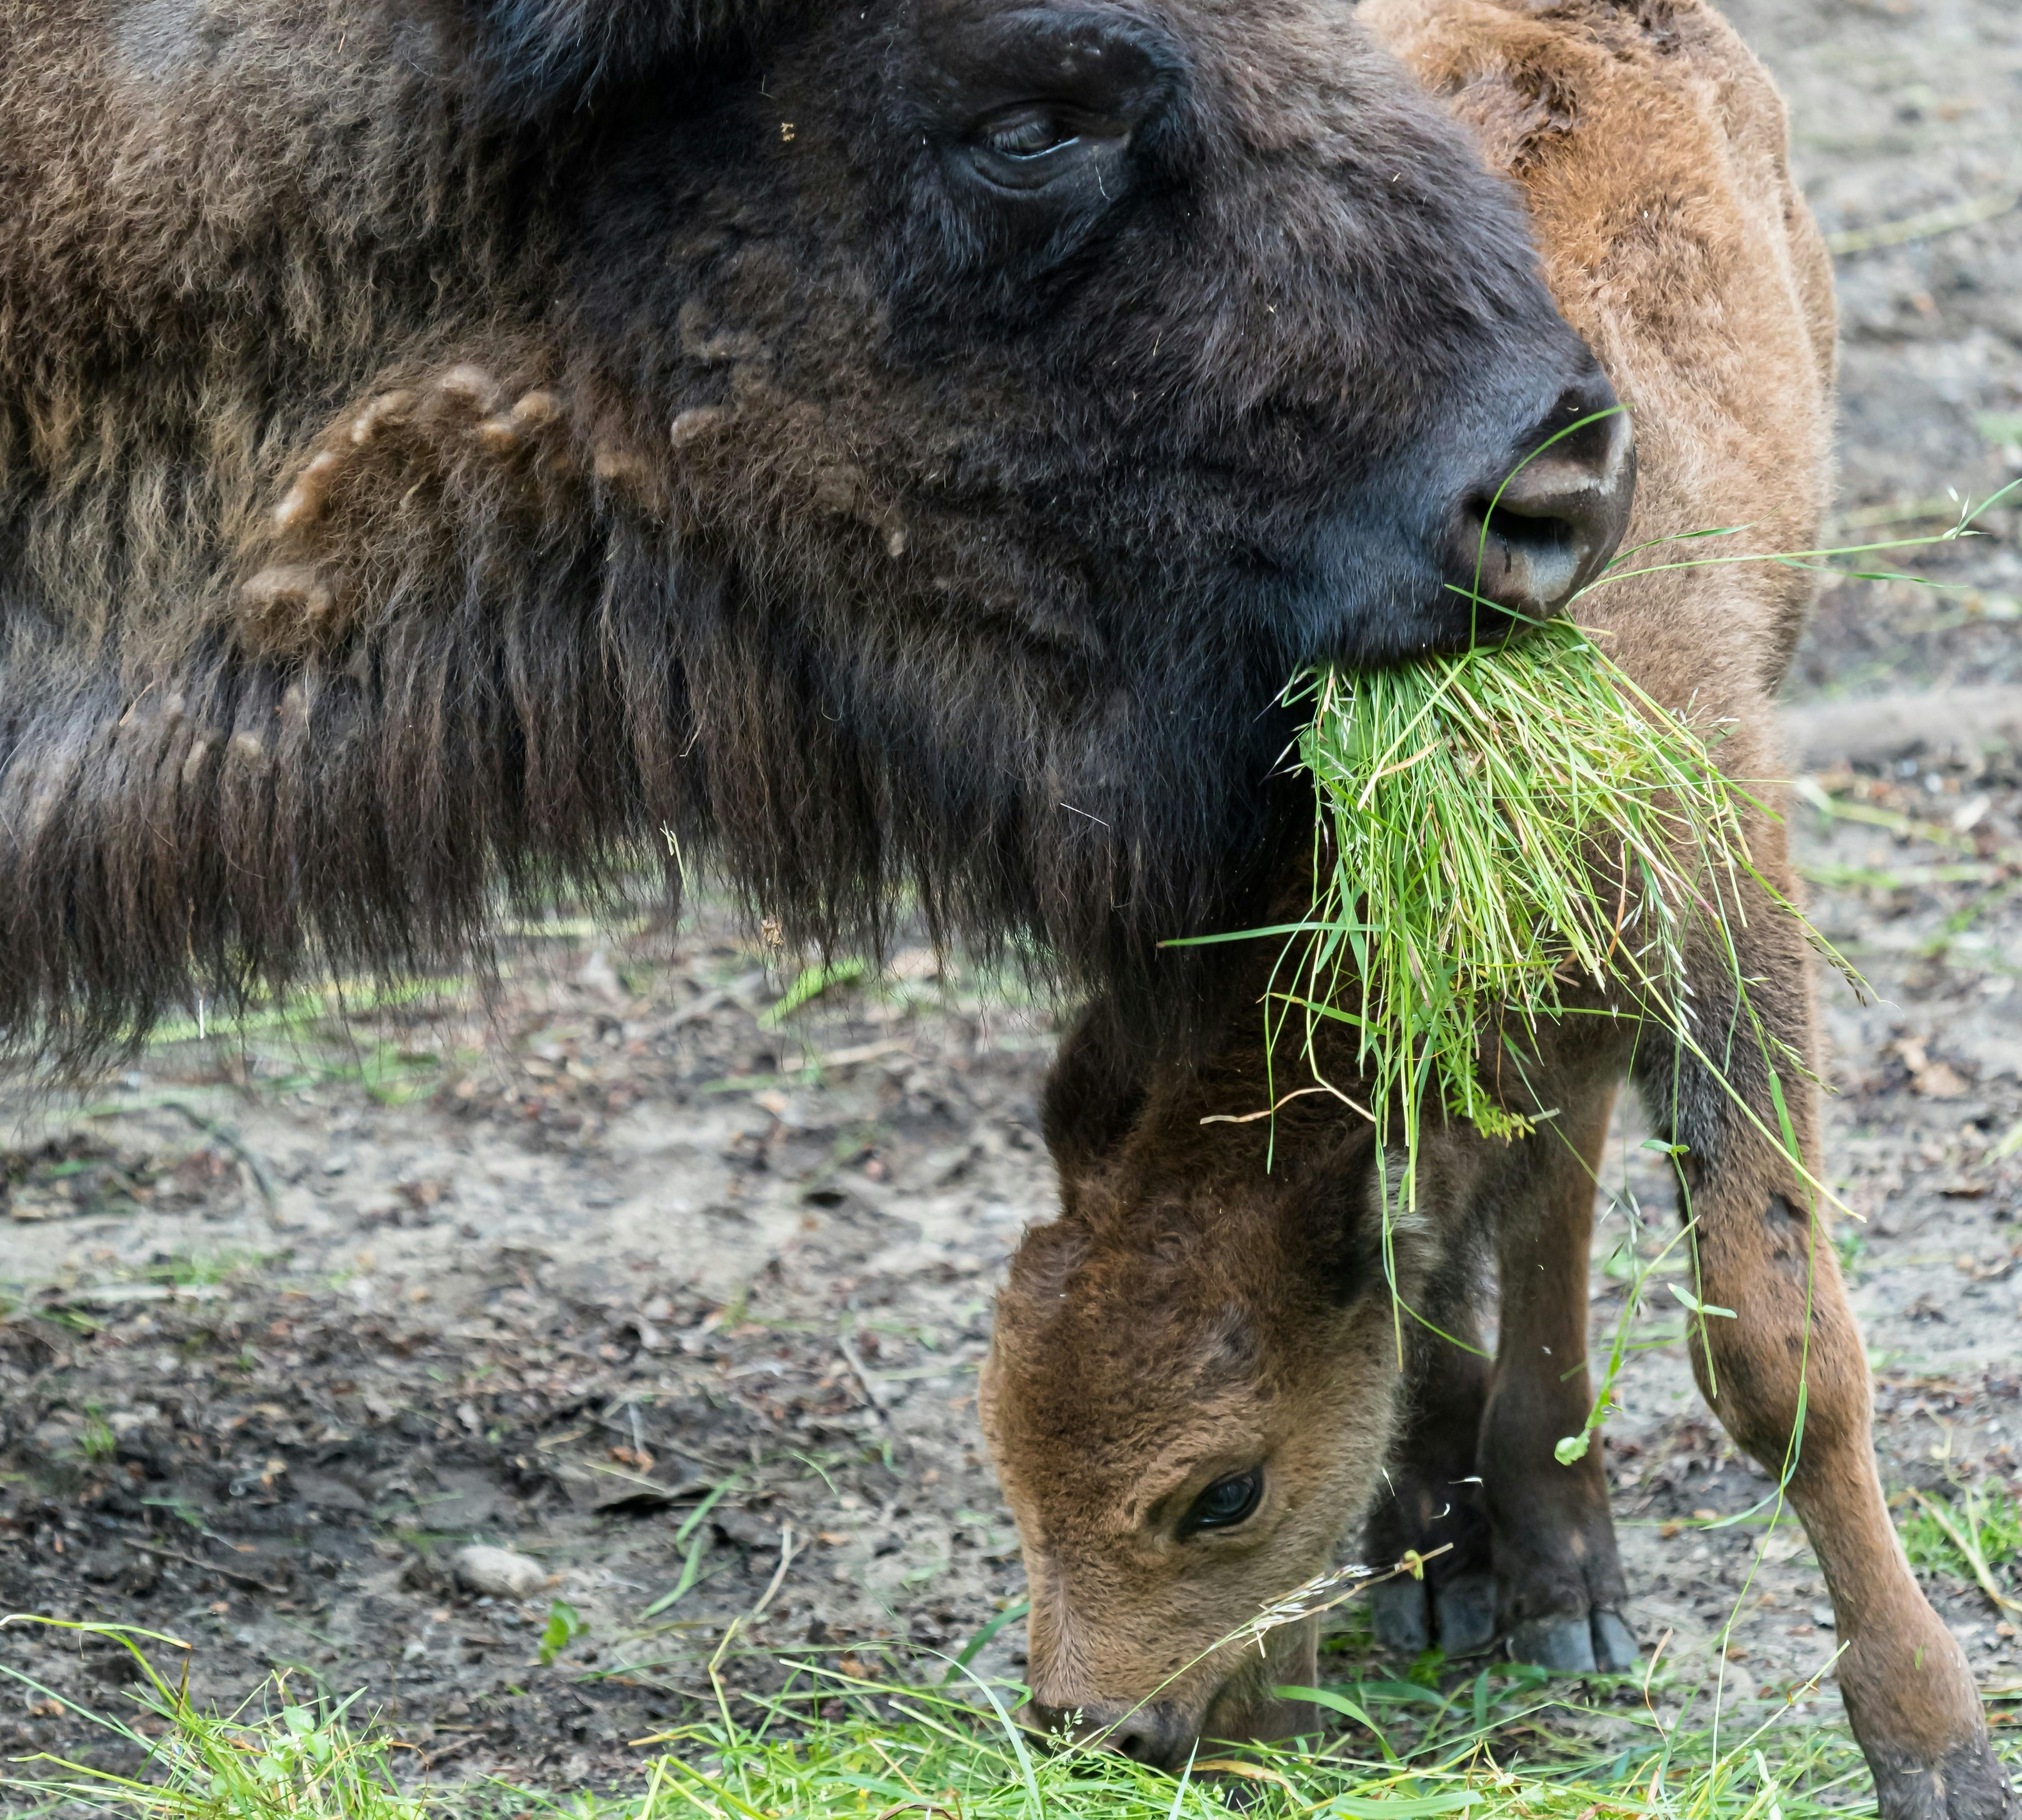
(1199, 1310)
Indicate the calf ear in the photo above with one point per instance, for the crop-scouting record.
(541, 53)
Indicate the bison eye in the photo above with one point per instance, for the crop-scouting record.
(1225, 1503)
(1034, 146)
(1027, 132)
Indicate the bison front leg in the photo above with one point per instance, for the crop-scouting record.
(1557, 1567)
(1787, 1375)
(1431, 1500)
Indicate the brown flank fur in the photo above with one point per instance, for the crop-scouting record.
(1190, 1315)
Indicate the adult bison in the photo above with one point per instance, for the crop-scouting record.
(901, 447)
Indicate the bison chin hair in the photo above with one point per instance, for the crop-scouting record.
(199, 825)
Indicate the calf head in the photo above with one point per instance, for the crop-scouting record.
(1190, 1397)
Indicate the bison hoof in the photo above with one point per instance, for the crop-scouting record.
(1459, 1616)
(1397, 1612)
(1466, 1608)
(1576, 1643)
(1965, 1783)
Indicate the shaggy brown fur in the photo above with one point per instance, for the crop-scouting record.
(901, 448)
(1191, 1320)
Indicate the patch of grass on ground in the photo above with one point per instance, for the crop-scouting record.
(1977, 1535)
(1502, 1743)
(278, 1759)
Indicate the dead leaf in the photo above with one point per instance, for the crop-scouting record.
(1939, 1081)
(1931, 1079)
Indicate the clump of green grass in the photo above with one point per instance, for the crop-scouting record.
(1502, 832)
(1978, 1534)
(278, 1758)
(1505, 828)
(1499, 1743)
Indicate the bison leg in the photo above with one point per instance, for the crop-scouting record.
(1560, 1579)
(1431, 1498)
(1788, 1376)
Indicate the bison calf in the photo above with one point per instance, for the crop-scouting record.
(1193, 1391)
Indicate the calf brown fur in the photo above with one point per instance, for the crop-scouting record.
(1194, 1387)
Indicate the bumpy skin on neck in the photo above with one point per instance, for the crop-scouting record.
(445, 446)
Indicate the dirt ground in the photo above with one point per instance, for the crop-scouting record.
(286, 1321)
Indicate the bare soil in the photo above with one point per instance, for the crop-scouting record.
(294, 1316)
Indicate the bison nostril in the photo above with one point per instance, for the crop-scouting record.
(1528, 544)
(1526, 563)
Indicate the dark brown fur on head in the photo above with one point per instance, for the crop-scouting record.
(448, 445)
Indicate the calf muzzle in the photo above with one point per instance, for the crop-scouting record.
(1156, 1734)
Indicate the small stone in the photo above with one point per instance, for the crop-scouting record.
(500, 1573)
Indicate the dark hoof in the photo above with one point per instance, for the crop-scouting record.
(1601, 1643)
(1563, 1645)
(1965, 1784)
(1397, 1612)
(1466, 1608)
(1614, 1651)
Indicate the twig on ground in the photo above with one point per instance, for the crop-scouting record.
(1926, 226)
(223, 1572)
(786, 1552)
(872, 1390)
(224, 1134)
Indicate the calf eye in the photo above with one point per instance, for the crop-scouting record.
(1225, 1503)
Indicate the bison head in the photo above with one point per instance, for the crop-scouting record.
(905, 446)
